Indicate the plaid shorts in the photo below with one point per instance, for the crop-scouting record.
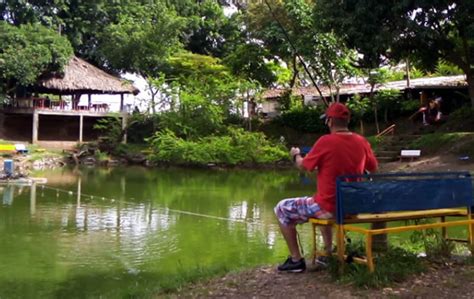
(298, 210)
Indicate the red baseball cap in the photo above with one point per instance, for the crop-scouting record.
(338, 110)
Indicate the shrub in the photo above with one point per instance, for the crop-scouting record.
(237, 147)
(305, 119)
(141, 126)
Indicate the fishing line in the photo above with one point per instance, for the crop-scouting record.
(89, 196)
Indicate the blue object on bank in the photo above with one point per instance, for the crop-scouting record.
(8, 167)
(464, 158)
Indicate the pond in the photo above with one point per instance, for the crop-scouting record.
(136, 231)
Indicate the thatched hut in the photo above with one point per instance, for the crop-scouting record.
(81, 77)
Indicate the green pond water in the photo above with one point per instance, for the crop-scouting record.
(135, 231)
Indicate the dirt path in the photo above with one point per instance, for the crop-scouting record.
(440, 281)
(447, 281)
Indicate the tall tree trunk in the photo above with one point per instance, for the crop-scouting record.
(295, 72)
(408, 72)
(375, 108)
(361, 127)
(470, 83)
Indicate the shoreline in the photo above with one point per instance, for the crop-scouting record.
(445, 163)
(448, 278)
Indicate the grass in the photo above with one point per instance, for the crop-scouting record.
(188, 276)
(396, 265)
(457, 143)
(374, 141)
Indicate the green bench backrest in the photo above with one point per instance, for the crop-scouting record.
(402, 192)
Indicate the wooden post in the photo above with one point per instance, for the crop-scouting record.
(124, 127)
(379, 242)
(89, 98)
(79, 181)
(81, 124)
(121, 102)
(423, 98)
(33, 198)
(34, 139)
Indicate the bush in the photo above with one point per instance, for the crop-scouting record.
(303, 119)
(142, 126)
(237, 147)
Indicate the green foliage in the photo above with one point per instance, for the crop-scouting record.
(195, 117)
(461, 120)
(249, 61)
(424, 31)
(141, 127)
(444, 68)
(305, 119)
(287, 101)
(388, 100)
(203, 95)
(409, 106)
(358, 106)
(30, 51)
(184, 65)
(435, 246)
(431, 142)
(101, 156)
(417, 73)
(234, 148)
(208, 30)
(395, 265)
(111, 133)
(374, 141)
(142, 38)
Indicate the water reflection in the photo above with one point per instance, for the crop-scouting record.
(106, 222)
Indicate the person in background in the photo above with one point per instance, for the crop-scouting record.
(432, 113)
(341, 152)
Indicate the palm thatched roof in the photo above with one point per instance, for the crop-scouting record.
(81, 77)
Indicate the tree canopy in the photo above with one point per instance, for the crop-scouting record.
(29, 51)
(315, 40)
(423, 30)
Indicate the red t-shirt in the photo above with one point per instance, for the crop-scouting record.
(334, 155)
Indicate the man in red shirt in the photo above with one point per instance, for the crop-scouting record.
(339, 153)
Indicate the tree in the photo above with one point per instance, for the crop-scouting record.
(359, 106)
(208, 30)
(250, 61)
(29, 51)
(424, 29)
(205, 93)
(142, 39)
(288, 30)
(77, 20)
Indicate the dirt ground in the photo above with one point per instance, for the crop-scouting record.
(448, 281)
(451, 280)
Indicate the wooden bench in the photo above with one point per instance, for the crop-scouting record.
(398, 197)
(411, 154)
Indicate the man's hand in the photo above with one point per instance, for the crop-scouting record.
(295, 151)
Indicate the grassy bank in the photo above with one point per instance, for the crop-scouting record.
(457, 143)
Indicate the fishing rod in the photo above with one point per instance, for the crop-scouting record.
(287, 37)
